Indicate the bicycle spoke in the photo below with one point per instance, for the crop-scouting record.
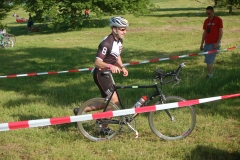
(176, 123)
(101, 129)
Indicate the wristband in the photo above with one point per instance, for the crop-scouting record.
(109, 66)
(122, 67)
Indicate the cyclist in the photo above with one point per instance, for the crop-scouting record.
(108, 56)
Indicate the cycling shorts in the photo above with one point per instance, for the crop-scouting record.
(103, 82)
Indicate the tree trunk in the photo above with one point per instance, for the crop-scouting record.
(230, 9)
(231, 2)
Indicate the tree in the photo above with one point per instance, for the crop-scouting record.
(227, 3)
(70, 13)
(5, 7)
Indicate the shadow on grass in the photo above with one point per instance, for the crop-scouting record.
(74, 88)
(178, 9)
(206, 152)
(225, 81)
(188, 12)
(21, 28)
(51, 60)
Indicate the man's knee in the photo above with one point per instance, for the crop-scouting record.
(115, 99)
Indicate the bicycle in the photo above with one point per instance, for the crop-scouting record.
(171, 124)
(6, 41)
(11, 36)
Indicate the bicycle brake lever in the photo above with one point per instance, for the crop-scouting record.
(183, 64)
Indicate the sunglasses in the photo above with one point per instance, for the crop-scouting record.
(208, 13)
(122, 29)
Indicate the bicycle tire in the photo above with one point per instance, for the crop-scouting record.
(89, 129)
(179, 128)
(12, 37)
(7, 42)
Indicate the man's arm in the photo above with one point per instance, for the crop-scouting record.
(220, 35)
(203, 38)
(124, 70)
(102, 65)
(216, 45)
(119, 62)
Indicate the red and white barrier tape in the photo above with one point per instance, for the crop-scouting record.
(125, 64)
(44, 73)
(70, 119)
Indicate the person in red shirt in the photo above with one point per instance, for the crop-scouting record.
(87, 13)
(211, 38)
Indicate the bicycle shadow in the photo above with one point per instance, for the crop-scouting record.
(210, 153)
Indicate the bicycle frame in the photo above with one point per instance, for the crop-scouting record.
(158, 92)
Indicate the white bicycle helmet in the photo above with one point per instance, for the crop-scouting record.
(118, 22)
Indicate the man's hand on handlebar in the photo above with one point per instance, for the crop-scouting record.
(125, 72)
(115, 69)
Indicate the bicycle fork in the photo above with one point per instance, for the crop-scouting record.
(166, 110)
(170, 116)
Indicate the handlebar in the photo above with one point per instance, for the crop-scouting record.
(160, 75)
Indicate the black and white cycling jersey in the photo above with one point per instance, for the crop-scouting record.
(109, 49)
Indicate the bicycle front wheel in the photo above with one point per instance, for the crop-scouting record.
(93, 129)
(12, 37)
(172, 124)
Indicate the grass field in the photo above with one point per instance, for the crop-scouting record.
(175, 28)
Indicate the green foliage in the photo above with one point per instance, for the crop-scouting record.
(71, 13)
(4, 26)
(5, 7)
(227, 2)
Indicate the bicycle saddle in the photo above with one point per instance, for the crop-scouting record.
(159, 73)
(106, 72)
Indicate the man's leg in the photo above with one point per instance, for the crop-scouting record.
(209, 59)
(209, 69)
(98, 106)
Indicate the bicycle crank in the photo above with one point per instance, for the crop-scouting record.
(128, 124)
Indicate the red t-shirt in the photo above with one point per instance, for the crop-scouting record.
(86, 12)
(214, 24)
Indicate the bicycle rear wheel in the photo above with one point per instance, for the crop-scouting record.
(7, 42)
(179, 126)
(92, 129)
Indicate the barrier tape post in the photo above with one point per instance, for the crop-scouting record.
(70, 119)
(125, 64)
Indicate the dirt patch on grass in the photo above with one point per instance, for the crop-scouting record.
(162, 28)
(174, 21)
(10, 146)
